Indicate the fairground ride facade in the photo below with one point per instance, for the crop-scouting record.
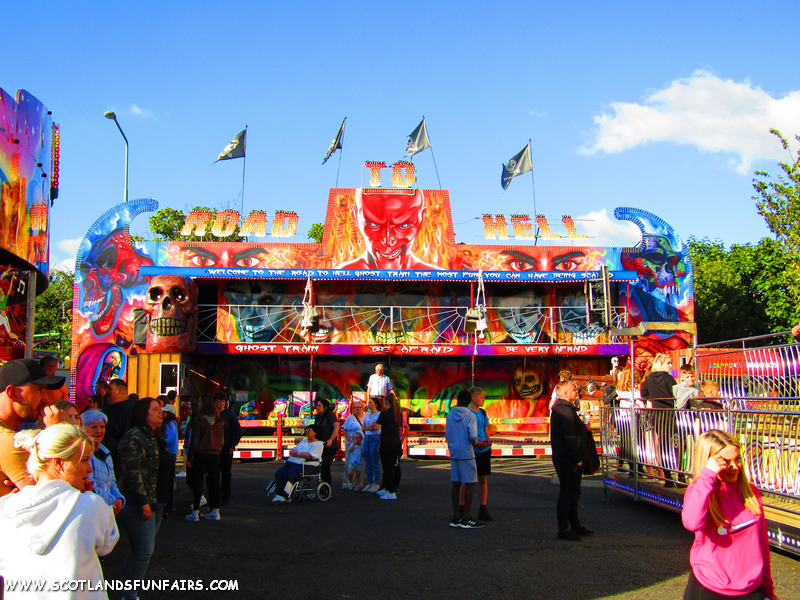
(389, 284)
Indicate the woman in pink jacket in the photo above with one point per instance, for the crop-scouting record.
(730, 554)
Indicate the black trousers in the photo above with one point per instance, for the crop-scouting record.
(569, 495)
(696, 591)
(391, 449)
(205, 465)
(328, 454)
(225, 466)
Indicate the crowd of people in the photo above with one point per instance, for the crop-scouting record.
(371, 438)
(69, 479)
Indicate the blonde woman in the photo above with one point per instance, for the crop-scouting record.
(730, 554)
(52, 531)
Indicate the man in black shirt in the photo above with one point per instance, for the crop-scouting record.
(329, 433)
(569, 444)
(232, 436)
(118, 410)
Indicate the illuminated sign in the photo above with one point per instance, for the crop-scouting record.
(403, 173)
(496, 228)
(226, 221)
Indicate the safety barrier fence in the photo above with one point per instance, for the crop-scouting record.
(642, 447)
(421, 437)
(747, 367)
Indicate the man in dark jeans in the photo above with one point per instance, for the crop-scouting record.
(569, 443)
(233, 434)
(328, 433)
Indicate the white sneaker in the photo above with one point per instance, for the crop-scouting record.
(381, 491)
(193, 516)
(180, 474)
(278, 499)
(368, 488)
(389, 496)
(213, 515)
(203, 501)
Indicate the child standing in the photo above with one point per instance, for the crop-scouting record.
(355, 468)
(461, 433)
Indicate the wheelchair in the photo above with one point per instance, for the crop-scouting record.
(307, 486)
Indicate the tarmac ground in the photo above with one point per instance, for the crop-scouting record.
(357, 546)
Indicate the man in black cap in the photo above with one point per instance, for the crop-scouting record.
(22, 385)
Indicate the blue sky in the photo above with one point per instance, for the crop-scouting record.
(663, 107)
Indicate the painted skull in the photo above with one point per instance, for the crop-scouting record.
(111, 266)
(660, 270)
(527, 382)
(171, 303)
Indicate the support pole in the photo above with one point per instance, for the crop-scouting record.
(30, 314)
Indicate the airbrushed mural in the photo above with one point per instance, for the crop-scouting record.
(29, 148)
(387, 277)
(426, 387)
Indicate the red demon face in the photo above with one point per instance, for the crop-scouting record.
(112, 264)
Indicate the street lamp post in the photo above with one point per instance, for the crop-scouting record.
(110, 115)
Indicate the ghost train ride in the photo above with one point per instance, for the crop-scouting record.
(388, 284)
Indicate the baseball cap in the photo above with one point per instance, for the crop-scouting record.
(26, 370)
(168, 408)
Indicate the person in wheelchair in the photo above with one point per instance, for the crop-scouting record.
(308, 452)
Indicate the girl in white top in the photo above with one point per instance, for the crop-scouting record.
(54, 531)
(353, 424)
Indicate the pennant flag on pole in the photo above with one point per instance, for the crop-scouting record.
(235, 149)
(519, 164)
(418, 140)
(336, 144)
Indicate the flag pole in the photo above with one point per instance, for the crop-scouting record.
(533, 189)
(435, 167)
(244, 164)
(339, 166)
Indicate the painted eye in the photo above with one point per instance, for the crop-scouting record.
(107, 258)
(198, 260)
(248, 262)
(567, 265)
(520, 265)
(404, 226)
(371, 224)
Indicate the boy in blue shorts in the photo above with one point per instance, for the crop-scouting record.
(461, 433)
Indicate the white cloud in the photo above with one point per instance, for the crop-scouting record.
(713, 114)
(68, 265)
(70, 246)
(141, 112)
(602, 229)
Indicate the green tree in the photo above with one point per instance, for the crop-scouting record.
(316, 231)
(53, 312)
(741, 291)
(778, 201)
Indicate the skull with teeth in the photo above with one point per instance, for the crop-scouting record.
(171, 303)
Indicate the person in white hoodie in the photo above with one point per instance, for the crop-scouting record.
(461, 433)
(53, 532)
